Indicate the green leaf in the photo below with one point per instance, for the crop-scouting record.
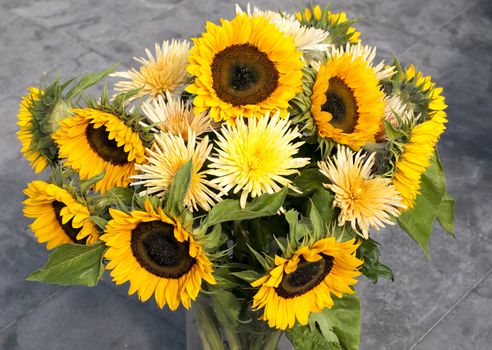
(335, 328)
(372, 268)
(230, 210)
(340, 325)
(323, 201)
(317, 222)
(446, 213)
(178, 189)
(310, 180)
(248, 275)
(89, 80)
(226, 307)
(303, 338)
(418, 221)
(72, 264)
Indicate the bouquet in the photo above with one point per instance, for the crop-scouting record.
(244, 174)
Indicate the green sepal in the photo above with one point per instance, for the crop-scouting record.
(72, 264)
(230, 209)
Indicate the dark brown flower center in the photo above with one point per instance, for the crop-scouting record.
(67, 227)
(243, 75)
(306, 276)
(157, 250)
(341, 104)
(104, 147)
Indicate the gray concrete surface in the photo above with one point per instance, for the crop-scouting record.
(443, 304)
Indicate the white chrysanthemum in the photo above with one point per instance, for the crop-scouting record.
(156, 75)
(366, 53)
(394, 107)
(305, 38)
(365, 200)
(255, 156)
(176, 117)
(168, 155)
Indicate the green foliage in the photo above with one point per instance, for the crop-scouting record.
(72, 264)
(446, 213)
(226, 307)
(178, 189)
(372, 268)
(418, 221)
(323, 200)
(335, 328)
(86, 81)
(310, 180)
(230, 209)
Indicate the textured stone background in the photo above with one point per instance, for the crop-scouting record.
(443, 304)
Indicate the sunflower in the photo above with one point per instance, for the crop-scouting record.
(93, 141)
(176, 117)
(365, 200)
(164, 72)
(168, 155)
(59, 217)
(303, 283)
(245, 67)
(25, 133)
(255, 157)
(305, 38)
(156, 255)
(337, 24)
(423, 138)
(347, 102)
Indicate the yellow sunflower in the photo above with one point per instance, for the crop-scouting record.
(256, 156)
(347, 102)
(416, 154)
(303, 283)
(337, 24)
(246, 66)
(25, 133)
(59, 217)
(157, 256)
(365, 200)
(93, 141)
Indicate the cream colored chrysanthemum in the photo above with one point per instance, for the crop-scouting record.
(365, 200)
(176, 117)
(156, 75)
(255, 156)
(394, 107)
(366, 53)
(305, 38)
(168, 155)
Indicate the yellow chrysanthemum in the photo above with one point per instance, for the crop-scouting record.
(176, 117)
(244, 67)
(365, 200)
(164, 72)
(347, 102)
(416, 154)
(303, 284)
(93, 141)
(168, 154)
(255, 157)
(157, 256)
(305, 38)
(37, 160)
(59, 217)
